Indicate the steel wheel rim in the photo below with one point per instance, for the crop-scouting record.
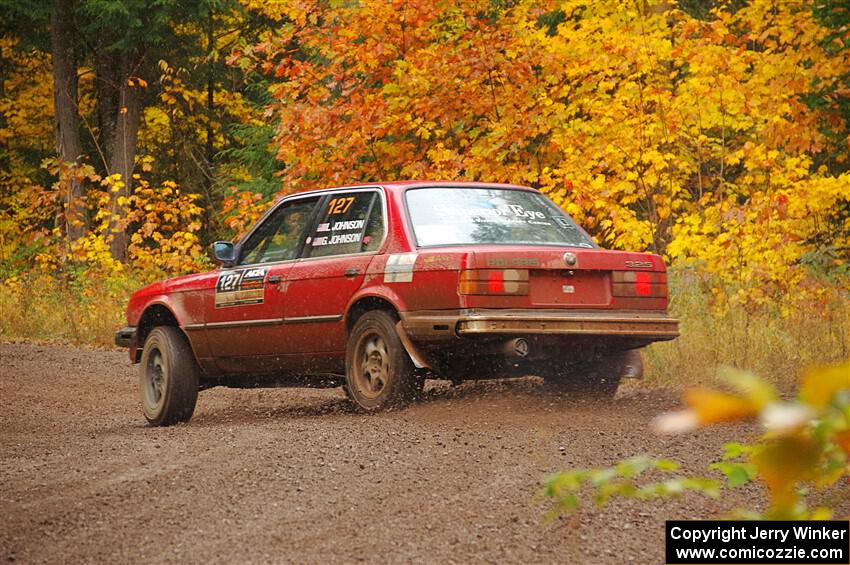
(371, 366)
(155, 377)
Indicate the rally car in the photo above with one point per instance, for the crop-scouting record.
(379, 287)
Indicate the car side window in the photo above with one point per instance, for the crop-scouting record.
(350, 222)
(279, 237)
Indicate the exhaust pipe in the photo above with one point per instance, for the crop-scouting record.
(517, 347)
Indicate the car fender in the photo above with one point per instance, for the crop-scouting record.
(136, 310)
(382, 292)
(197, 339)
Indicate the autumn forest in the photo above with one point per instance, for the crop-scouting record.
(133, 134)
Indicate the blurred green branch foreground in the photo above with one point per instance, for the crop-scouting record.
(804, 451)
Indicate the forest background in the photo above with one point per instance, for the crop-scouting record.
(134, 133)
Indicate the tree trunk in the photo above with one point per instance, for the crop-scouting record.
(122, 154)
(68, 144)
(107, 75)
(210, 150)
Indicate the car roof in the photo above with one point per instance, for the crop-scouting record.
(401, 185)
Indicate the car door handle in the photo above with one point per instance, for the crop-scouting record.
(352, 272)
(274, 279)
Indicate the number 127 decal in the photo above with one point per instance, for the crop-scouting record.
(340, 205)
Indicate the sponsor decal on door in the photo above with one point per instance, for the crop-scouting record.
(243, 286)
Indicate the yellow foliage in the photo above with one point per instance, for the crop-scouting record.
(166, 222)
(821, 385)
(26, 126)
(26, 101)
(241, 209)
(656, 130)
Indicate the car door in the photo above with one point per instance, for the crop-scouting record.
(245, 318)
(350, 230)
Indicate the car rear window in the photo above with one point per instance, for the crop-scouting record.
(458, 216)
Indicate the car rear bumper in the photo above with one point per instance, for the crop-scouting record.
(443, 324)
(126, 337)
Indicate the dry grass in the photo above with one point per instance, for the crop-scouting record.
(776, 347)
(59, 309)
(761, 340)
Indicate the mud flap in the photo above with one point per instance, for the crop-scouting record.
(418, 360)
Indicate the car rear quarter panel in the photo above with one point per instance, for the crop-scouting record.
(433, 276)
(432, 283)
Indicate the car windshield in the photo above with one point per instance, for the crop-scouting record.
(458, 216)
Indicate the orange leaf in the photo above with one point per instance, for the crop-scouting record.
(712, 406)
(782, 464)
(842, 439)
(821, 384)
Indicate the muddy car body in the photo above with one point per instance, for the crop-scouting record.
(378, 287)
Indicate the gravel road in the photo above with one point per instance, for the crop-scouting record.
(293, 476)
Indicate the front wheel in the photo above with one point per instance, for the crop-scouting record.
(168, 377)
(379, 373)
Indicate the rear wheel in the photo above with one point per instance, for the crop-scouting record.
(168, 377)
(379, 373)
(599, 378)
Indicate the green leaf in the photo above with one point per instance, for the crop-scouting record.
(733, 450)
(736, 474)
(602, 476)
(634, 466)
(666, 465)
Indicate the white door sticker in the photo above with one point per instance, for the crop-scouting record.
(399, 268)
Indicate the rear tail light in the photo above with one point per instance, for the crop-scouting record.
(639, 284)
(494, 281)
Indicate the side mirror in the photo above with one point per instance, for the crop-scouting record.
(224, 251)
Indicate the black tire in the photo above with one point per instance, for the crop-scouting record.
(168, 377)
(597, 379)
(378, 371)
